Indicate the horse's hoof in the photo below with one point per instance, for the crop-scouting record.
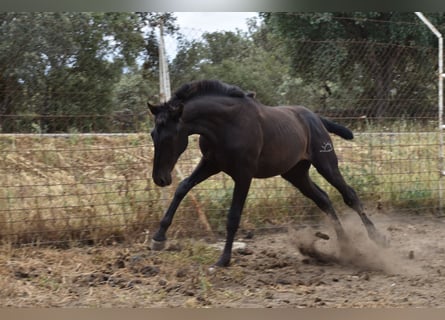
(157, 245)
(212, 269)
(215, 267)
(384, 241)
(381, 240)
(222, 263)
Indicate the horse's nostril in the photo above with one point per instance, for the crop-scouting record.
(162, 181)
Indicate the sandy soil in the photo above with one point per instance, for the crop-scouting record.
(269, 272)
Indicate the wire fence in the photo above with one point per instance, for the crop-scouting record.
(70, 187)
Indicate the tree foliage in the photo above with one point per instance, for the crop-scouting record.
(253, 60)
(94, 71)
(372, 55)
(68, 65)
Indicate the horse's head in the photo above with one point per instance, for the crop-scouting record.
(170, 140)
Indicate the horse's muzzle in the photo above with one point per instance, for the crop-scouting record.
(163, 180)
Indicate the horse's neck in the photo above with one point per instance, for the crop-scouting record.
(207, 119)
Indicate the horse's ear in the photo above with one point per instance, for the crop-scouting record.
(251, 94)
(153, 109)
(176, 112)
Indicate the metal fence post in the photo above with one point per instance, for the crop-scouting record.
(164, 95)
(164, 78)
(441, 75)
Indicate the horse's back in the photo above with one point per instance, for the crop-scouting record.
(296, 119)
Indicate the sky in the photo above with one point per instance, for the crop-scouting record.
(193, 24)
(214, 21)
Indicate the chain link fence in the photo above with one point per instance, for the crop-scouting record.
(90, 181)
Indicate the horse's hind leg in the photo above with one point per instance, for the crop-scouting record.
(327, 165)
(204, 170)
(299, 177)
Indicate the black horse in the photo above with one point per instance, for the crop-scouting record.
(246, 140)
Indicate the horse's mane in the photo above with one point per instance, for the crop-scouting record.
(207, 87)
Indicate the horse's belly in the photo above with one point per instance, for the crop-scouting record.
(284, 145)
(276, 165)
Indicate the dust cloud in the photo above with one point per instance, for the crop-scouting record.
(321, 246)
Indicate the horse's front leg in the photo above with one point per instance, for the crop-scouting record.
(233, 219)
(204, 170)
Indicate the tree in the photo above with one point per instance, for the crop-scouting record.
(369, 54)
(253, 60)
(62, 69)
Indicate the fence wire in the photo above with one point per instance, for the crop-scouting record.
(75, 188)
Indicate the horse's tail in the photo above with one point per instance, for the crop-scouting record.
(339, 130)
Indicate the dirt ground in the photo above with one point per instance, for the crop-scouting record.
(268, 272)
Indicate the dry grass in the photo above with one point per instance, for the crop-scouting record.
(74, 188)
(99, 189)
(103, 276)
